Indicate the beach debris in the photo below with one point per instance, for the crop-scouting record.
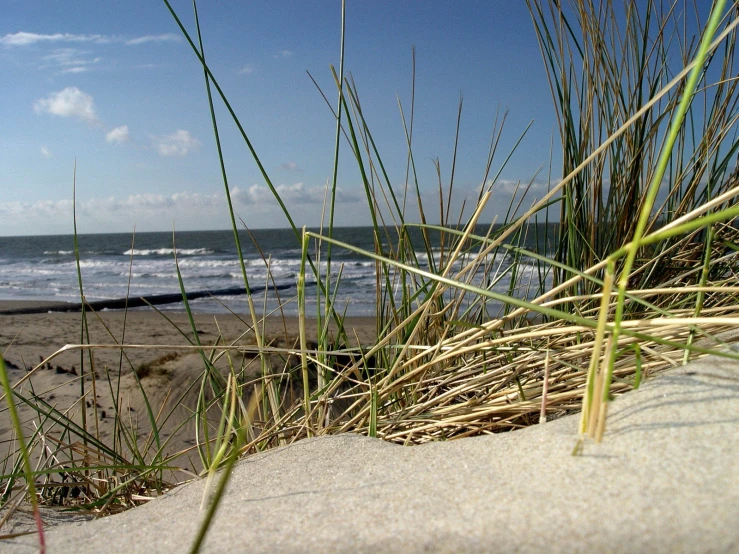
(62, 370)
(10, 365)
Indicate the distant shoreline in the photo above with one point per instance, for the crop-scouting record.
(139, 301)
(12, 308)
(19, 305)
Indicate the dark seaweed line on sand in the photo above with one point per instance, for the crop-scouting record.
(138, 301)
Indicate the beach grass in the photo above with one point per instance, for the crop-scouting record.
(638, 275)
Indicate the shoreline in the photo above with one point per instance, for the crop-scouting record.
(364, 325)
(40, 306)
(15, 305)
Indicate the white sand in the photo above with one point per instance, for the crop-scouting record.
(664, 480)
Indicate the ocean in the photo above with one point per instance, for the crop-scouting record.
(43, 268)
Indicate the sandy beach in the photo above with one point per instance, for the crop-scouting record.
(663, 480)
(166, 372)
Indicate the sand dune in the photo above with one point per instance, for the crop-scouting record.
(664, 480)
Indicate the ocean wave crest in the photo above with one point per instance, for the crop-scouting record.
(168, 251)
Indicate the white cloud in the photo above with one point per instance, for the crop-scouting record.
(43, 212)
(70, 102)
(291, 166)
(104, 208)
(180, 143)
(168, 37)
(248, 69)
(283, 54)
(70, 60)
(24, 39)
(509, 186)
(75, 70)
(62, 53)
(297, 193)
(70, 56)
(117, 135)
(259, 194)
(156, 212)
(45, 152)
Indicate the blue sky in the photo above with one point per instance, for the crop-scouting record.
(115, 86)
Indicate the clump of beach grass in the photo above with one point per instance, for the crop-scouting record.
(637, 273)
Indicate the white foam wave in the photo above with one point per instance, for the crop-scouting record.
(208, 263)
(168, 251)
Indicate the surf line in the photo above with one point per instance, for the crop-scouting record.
(140, 301)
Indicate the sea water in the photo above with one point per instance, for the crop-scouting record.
(119, 265)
